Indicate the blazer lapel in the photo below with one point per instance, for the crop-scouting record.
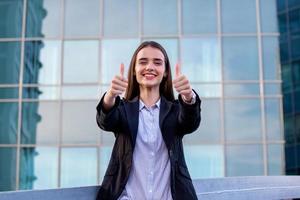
(165, 107)
(132, 114)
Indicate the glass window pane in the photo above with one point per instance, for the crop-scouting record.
(238, 16)
(210, 127)
(201, 59)
(107, 138)
(40, 122)
(9, 93)
(11, 12)
(34, 162)
(242, 119)
(8, 168)
(273, 119)
(105, 153)
(113, 53)
(171, 47)
(272, 88)
(275, 159)
(240, 58)
(43, 18)
(241, 89)
(268, 16)
(42, 62)
(271, 59)
(8, 122)
(207, 90)
(121, 18)
(43, 93)
(280, 5)
(244, 160)
(199, 16)
(78, 167)
(208, 158)
(80, 92)
(79, 125)
(81, 62)
(164, 21)
(10, 53)
(78, 16)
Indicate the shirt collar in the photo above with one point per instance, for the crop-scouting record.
(142, 105)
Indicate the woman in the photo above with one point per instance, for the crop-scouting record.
(147, 160)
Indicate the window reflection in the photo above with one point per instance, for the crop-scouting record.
(201, 59)
(80, 92)
(42, 93)
(273, 119)
(240, 58)
(272, 88)
(164, 21)
(105, 152)
(10, 62)
(268, 15)
(81, 61)
(241, 89)
(78, 15)
(242, 119)
(121, 18)
(8, 123)
(208, 90)
(275, 159)
(238, 16)
(8, 168)
(208, 158)
(113, 53)
(78, 167)
(244, 160)
(271, 58)
(9, 92)
(199, 16)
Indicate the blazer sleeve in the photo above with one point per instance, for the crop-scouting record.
(189, 115)
(109, 120)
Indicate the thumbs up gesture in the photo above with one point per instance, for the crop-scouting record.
(182, 84)
(118, 84)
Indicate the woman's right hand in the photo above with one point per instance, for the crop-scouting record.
(118, 85)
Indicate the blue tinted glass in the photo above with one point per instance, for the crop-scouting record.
(44, 93)
(81, 61)
(164, 21)
(242, 119)
(272, 89)
(8, 168)
(244, 160)
(34, 162)
(286, 74)
(293, 3)
(289, 129)
(271, 60)
(105, 153)
(268, 16)
(295, 47)
(121, 18)
(241, 89)
(11, 12)
(113, 53)
(273, 119)
(42, 62)
(284, 52)
(208, 90)
(275, 159)
(43, 18)
(9, 93)
(296, 73)
(280, 5)
(40, 122)
(10, 62)
(8, 122)
(210, 128)
(238, 16)
(78, 167)
(282, 23)
(82, 18)
(199, 16)
(208, 158)
(240, 58)
(201, 59)
(294, 22)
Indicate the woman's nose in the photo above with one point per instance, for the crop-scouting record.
(150, 66)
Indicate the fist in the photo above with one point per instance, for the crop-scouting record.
(118, 84)
(182, 84)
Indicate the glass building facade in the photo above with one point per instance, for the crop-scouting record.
(289, 26)
(57, 57)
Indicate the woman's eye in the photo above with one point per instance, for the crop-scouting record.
(157, 63)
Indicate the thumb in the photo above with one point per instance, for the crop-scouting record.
(122, 70)
(177, 69)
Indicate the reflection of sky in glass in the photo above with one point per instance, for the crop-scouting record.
(244, 160)
(45, 168)
(105, 152)
(268, 15)
(78, 167)
(201, 59)
(207, 90)
(241, 89)
(273, 117)
(275, 162)
(204, 161)
(271, 59)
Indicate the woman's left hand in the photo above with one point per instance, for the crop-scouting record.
(182, 85)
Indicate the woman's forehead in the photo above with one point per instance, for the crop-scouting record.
(150, 53)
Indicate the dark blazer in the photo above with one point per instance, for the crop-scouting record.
(175, 120)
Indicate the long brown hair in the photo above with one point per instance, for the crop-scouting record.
(165, 87)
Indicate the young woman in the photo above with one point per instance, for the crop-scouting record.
(147, 160)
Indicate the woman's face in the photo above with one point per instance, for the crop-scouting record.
(150, 67)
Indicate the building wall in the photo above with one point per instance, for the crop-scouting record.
(58, 56)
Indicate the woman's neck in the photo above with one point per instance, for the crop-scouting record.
(149, 96)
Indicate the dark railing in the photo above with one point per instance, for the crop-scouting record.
(231, 188)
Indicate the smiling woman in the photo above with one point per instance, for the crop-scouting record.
(147, 159)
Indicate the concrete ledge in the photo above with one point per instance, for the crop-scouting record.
(231, 188)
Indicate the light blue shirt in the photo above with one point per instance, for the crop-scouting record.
(149, 177)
